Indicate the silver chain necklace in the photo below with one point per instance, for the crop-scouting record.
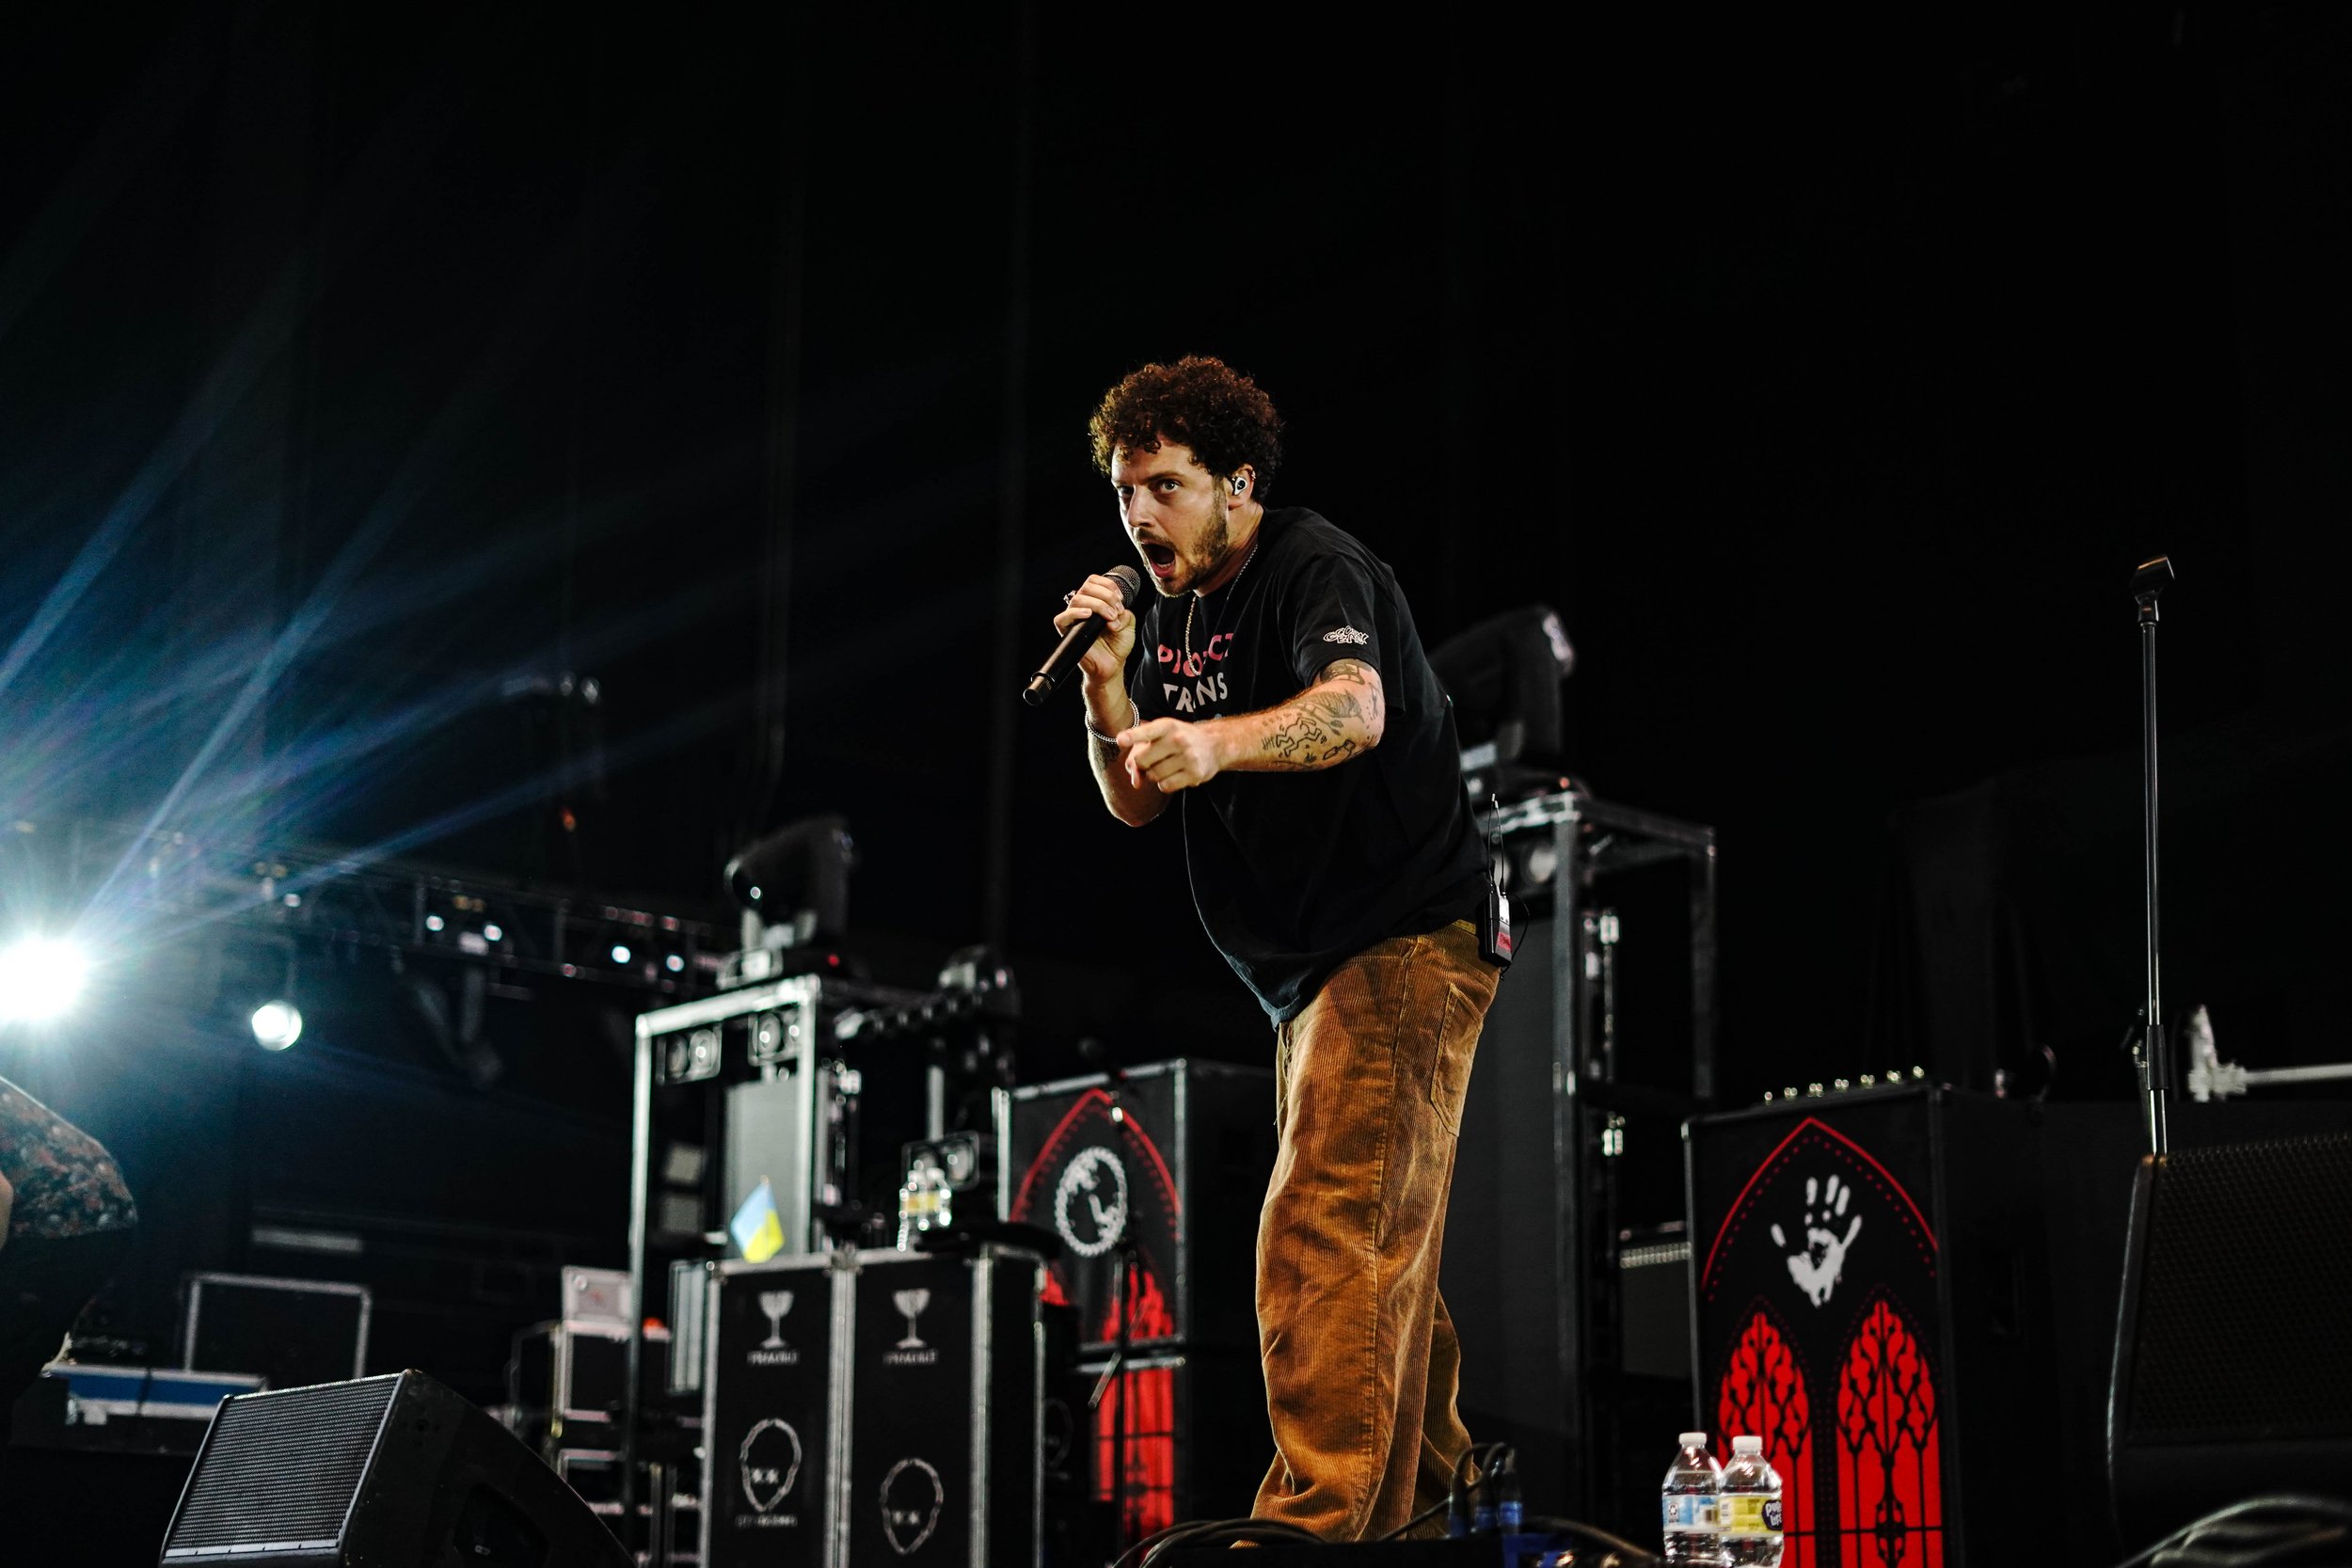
(1226, 589)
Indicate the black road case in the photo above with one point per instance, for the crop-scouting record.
(874, 1407)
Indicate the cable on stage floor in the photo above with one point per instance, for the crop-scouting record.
(1215, 1532)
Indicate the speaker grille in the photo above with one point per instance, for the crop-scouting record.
(281, 1468)
(2244, 1289)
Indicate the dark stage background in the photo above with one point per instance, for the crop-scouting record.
(366, 371)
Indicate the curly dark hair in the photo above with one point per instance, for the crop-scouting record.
(1199, 403)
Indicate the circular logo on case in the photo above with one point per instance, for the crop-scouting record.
(1090, 1202)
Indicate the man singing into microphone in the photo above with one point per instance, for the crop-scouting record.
(1276, 691)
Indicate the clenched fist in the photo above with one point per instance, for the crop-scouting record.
(1169, 754)
(1101, 595)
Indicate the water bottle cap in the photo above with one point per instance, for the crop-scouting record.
(1694, 1439)
(1747, 1445)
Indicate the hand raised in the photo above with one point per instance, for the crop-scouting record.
(1100, 595)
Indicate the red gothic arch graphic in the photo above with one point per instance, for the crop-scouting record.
(1890, 1494)
(1763, 1392)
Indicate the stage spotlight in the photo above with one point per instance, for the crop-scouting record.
(277, 1025)
(620, 953)
(799, 876)
(39, 978)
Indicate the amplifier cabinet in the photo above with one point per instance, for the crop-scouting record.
(875, 1407)
(1178, 1154)
(1870, 1279)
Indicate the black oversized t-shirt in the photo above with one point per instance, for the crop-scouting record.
(1296, 872)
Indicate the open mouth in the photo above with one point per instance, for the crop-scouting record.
(1160, 558)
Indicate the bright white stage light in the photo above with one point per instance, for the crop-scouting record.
(39, 978)
(277, 1025)
(620, 953)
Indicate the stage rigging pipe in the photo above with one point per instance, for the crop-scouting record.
(2155, 1064)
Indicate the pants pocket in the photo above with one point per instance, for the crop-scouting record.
(1457, 1042)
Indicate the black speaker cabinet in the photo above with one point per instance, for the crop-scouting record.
(390, 1472)
(875, 1407)
(1870, 1299)
(1178, 1154)
(2234, 1356)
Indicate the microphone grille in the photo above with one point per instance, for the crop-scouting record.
(1130, 583)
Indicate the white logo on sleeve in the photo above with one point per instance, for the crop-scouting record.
(1346, 634)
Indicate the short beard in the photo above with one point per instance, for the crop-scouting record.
(1216, 548)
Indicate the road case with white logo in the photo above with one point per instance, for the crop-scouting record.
(774, 1473)
(878, 1407)
(947, 1389)
(1177, 1154)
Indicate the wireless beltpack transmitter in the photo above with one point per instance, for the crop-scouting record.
(1494, 924)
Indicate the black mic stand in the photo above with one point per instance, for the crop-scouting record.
(1128, 1268)
(2151, 1055)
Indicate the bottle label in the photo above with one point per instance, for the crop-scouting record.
(1691, 1512)
(1751, 1514)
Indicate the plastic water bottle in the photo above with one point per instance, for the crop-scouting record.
(1751, 1507)
(1689, 1500)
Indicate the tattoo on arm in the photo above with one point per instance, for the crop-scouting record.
(1341, 715)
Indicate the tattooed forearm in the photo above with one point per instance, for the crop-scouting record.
(1352, 680)
(1339, 717)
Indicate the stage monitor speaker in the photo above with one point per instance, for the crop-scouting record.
(2234, 1350)
(1870, 1277)
(390, 1472)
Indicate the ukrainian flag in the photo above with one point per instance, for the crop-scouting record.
(758, 1228)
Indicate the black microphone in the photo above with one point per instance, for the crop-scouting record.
(1079, 639)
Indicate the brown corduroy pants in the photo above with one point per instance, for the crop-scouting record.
(1361, 1363)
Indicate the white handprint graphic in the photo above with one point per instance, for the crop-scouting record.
(1815, 1265)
